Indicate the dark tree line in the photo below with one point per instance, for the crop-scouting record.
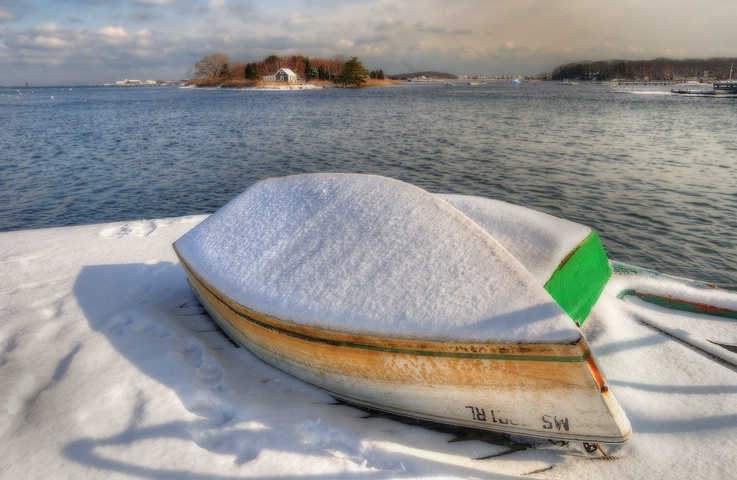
(659, 69)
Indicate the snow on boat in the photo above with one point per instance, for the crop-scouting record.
(447, 308)
(698, 314)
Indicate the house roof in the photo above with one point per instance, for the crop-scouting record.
(288, 71)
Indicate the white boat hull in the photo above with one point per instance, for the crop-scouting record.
(540, 390)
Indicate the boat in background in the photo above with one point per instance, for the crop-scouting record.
(720, 88)
(427, 306)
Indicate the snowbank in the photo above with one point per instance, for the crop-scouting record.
(110, 369)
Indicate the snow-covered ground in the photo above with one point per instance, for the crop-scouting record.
(109, 368)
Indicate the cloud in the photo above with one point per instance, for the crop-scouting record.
(300, 20)
(511, 48)
(388, 24)
(153, 2)
(6, 16)
(44, 37)
(114, 34)
(50, 42)
(344, 44)
(216, 5)
(422, 28)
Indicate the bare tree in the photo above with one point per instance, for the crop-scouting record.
(215, 65)
(271, 64)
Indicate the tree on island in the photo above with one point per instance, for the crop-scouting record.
(253, 72)
(352, 74)
(310, 70)
(218, 70)
(216, 65)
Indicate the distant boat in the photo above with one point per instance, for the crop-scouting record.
(725, 87)
(453, 309)
(516, 81)
(719, 88)
(566, 82)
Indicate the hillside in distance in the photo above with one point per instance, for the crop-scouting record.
(427, 74)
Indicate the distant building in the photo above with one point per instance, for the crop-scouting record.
(282, 75)
(139, 83)
(128, 83)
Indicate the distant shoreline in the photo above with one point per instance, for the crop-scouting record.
(261, 85)
(236, 85)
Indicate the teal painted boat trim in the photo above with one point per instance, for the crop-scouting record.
(680, 304)
(671, 303)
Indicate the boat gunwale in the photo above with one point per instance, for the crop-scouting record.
(570, 352)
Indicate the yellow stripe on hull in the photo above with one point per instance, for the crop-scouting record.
(545, 390)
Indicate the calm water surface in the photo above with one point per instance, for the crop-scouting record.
(654, 174)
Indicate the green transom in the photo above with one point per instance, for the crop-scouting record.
(578, 282)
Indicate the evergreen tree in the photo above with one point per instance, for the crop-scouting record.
(310, 71)
(253, 72)
(322, 73)
(352, 74)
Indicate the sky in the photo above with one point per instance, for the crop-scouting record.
(77, 42)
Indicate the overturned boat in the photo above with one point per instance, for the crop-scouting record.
(449, 308)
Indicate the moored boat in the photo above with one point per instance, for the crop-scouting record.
(720, 88)
(725, 87)
(447, 308)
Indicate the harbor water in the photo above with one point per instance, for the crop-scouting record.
(653, 173)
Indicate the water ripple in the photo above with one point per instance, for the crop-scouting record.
(652, 173)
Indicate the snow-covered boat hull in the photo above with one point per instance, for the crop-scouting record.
(446, 308)
(542, 390)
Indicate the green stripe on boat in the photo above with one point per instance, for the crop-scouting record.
(578, 282)
(681, 304)
(425, 353)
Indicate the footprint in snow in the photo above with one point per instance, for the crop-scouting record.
(162, 321)
(130, 321)
(134, 229)
(10, 345)
(207, 373)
